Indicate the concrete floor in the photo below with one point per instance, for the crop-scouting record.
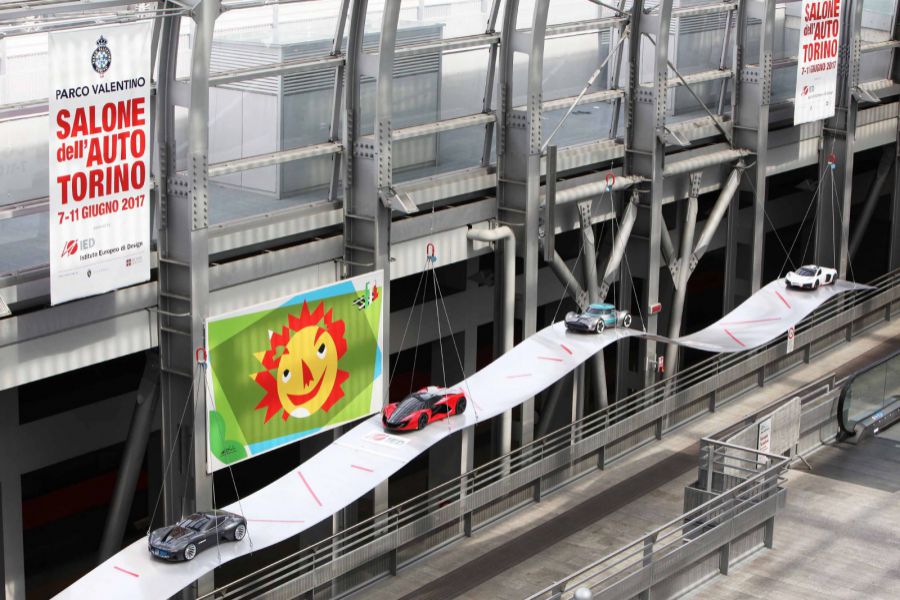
(811, 503)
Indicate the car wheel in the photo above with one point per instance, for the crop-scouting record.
(816, 285)
(239, 532)
(190, 552)
(423, 421)
(461, 406)
(600, 326)
(626, 320)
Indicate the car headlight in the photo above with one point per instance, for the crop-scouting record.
(570, 316)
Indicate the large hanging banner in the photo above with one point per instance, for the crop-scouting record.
(293, 367)
(817, 60)
(99, 159)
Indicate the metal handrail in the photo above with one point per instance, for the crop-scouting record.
(530, 455)
(732, 500)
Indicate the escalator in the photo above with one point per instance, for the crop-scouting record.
(870, 401)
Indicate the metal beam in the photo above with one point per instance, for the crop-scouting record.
(750, 100)
(681, 276)
(620, 244)
(715, 216)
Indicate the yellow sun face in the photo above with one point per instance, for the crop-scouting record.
(301, 374)
(307, 371)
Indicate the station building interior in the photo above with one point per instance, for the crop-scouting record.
(502, 166)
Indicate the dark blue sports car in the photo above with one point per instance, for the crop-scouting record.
(195, 533)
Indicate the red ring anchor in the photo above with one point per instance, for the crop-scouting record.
(609, 185)
(832, 159)
(430, 252)
(198, 352)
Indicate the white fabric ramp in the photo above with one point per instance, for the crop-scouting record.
(366, 455)
(347, 469)
(764, 316)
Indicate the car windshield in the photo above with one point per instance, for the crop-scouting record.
(598, 311)
(196, 522)
(408, 407)
(806, 271)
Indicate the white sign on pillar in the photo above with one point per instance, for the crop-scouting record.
(764, 439)
(99, 115)
(817, 60)
(790, 339)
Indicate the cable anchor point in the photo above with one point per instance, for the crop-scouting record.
(200, 356)
(430, 252)
(610, 181)
(832, 161)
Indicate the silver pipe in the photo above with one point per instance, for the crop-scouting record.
(679, 167)
(509, 295)
(595, 188)
(715, 217)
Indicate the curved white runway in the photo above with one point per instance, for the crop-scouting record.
(365, 455)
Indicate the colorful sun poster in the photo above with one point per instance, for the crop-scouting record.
(293, 367)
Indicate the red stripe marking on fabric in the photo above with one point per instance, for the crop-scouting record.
(276, 520)
(731, 335)
(753, 321)
(126, 571)
(566, 348)
(777, 293)
(550, 358)
(312, 493)
(368, 470)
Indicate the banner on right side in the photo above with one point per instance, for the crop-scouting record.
(817, 60)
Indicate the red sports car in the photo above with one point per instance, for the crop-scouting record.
(423, 407)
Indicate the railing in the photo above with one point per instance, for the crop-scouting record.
(384, 543)
(736, 510)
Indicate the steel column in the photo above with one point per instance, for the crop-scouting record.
(519, 165)
(184, 298)
(836, 154)
(682, 275)
(645, 156)
(750, 108)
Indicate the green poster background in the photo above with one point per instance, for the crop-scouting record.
(237, 429)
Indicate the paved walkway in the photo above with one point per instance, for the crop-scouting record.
(483, 566)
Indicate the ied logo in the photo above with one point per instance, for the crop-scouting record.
(101, 59)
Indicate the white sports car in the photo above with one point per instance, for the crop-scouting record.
(810, 277)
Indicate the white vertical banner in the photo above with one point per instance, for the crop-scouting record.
(99, 159)
(817, 60)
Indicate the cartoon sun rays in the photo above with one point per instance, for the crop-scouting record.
(301, 373)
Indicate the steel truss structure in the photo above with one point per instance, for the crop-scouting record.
(370, 219)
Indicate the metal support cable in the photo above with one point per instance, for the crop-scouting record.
(694, 94)
(584, 90)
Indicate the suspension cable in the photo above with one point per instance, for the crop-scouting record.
(462, 368)
(171, 455)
